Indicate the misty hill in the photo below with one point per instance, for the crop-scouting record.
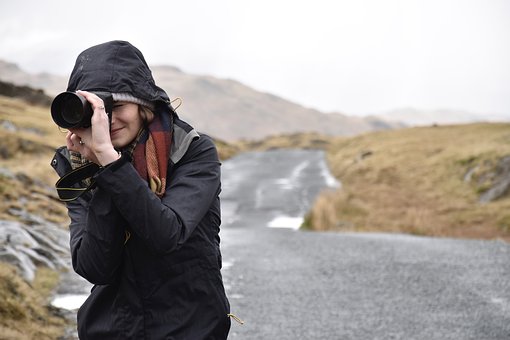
(26, 93)
(50, 83)
(415, 117)
(225, 108)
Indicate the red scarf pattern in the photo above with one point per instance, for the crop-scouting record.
(151, 153)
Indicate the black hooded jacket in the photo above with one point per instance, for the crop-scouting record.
(115, 66)
(164, 281)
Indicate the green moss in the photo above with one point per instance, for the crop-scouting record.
(470, 160)
(307, 222)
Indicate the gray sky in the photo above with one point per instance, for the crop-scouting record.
(357, 57)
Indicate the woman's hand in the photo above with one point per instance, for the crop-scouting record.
(93, 143)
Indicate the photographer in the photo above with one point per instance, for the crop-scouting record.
(146, 233)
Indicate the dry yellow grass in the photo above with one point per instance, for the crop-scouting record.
(26, 151)
(24, 310)
(297, 140)
(413, 181)
(33, 143)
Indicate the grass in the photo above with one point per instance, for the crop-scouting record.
(297, 140)
(26, 152)
(421, 181)
(25, 182)
(24, 310)
(414, 181)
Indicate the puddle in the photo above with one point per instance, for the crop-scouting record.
(69, 301)
(286, 222)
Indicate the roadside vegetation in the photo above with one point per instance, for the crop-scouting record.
(296, 141)
(430, 181)
(446, 181)
(26, 180)
(24, 309)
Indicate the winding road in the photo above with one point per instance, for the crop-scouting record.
(291, 284)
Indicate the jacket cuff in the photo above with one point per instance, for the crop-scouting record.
(113, 166)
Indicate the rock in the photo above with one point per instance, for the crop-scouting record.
(13, 233)
(37, 243)
(9, 126)
(4, 172)
(501, 182)
(469, 174)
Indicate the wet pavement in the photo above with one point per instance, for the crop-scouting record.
(291, 284)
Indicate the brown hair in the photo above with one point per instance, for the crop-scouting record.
(146, 114)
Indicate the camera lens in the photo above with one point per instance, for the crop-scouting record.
(71, 110)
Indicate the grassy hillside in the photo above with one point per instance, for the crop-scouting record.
(290, 141)
(425, 181)
(26, 180)
(28, 143)
(224, 108)
(28, 139)
(24, 313)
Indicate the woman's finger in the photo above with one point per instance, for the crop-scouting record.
(69, 142)
(94, 100)
(76, 142)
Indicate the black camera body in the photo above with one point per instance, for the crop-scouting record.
(71, 110)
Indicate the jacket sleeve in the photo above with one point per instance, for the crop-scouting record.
(165, 224)
(97, 239)
(96, 230)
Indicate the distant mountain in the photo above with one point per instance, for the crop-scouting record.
(414, 117)
(225, 108)
(28, 94)
(50, 83)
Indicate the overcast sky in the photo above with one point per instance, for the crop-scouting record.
(356, 57)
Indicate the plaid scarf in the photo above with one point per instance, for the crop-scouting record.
(149, 151)
(152, 150)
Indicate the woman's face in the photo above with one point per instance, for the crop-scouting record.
(126, 123)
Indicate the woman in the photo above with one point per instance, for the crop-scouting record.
(146, 236)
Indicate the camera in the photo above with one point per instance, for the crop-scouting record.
(71, 110)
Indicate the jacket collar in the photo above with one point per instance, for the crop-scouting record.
(183, 135)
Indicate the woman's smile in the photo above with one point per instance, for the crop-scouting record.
(115, 131)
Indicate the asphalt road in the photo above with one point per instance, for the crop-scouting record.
(290, 284)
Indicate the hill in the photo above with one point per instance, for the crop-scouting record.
(440, 181)
(414, 117)
(224, 108)
(51, 84)
(26, 186)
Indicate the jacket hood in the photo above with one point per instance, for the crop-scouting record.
(116, 67)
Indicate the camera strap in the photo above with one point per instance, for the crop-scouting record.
(67, 188)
